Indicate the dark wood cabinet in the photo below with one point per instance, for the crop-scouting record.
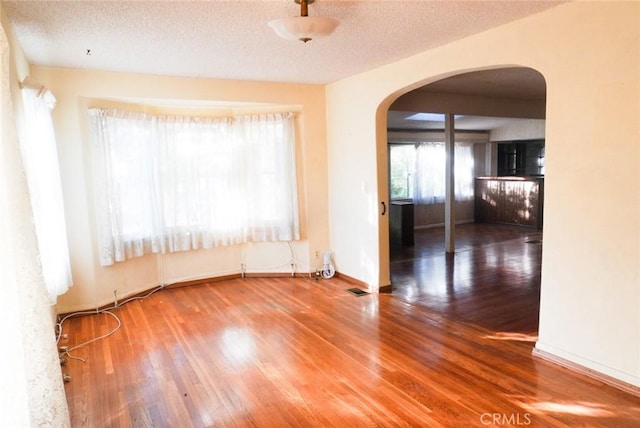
(521, 159)
(509, 200)
(401, 223)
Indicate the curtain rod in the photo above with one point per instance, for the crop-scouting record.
(31, 83)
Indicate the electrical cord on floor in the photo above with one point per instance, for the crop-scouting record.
(107, 310)
(67, 352)
(59, 326)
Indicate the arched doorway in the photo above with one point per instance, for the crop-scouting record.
(493, 276)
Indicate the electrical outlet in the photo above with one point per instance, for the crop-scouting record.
(317, 254)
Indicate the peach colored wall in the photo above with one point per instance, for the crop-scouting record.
(589, 54)
(78, 90)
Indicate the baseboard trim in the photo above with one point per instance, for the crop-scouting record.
(110, 305)
(201, 281)
(578, 368)
(362, 284)
(213, 280)
(352, 280)
(188, 283)
(277, 275)
(386, 289)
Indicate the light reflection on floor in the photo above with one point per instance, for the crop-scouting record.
(518, 337)
(492, 280)
(581, 408)
(238, 346)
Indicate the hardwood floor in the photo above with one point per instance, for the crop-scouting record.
(492, 280)
(283, 352)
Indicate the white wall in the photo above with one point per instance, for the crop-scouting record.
(78, 90)
(589, 54)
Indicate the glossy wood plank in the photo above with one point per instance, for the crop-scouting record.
(296, 352)
(493, 279)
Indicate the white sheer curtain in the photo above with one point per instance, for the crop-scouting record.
(464, 172)
(33, 394)
(430, 172)
(268, 167)
(170, 183)
(40, 160)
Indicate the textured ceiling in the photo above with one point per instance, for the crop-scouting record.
(231, 39)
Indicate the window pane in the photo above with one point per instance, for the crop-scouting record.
(172, 183)
(401, 169)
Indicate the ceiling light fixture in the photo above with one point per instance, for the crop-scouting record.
(303, 27)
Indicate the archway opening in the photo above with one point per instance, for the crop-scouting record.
(492, 276)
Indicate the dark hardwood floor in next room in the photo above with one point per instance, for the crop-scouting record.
(492, 280)
(284, 352)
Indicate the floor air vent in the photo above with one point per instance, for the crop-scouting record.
(357, 291)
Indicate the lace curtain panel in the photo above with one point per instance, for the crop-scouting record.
(40, 160)
(430, 175)
(172, 183)
(33, 391)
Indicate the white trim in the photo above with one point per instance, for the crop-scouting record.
(610, 376)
